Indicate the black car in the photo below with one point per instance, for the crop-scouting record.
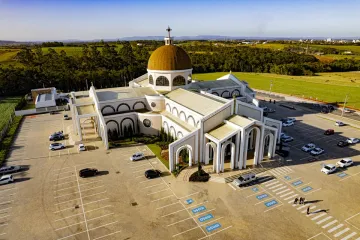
(56, 137)
(342, 144)
(88, 172)
(152, 173)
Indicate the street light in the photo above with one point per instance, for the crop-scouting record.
(346, 99)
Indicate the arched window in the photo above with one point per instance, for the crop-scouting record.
(179, 81)
(162, 81)
(151, 80)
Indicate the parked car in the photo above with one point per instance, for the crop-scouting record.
(152, 173)
(339, 124)
(137, 156)
(285, 138)
(353, 140)
(57, 136)
(6, 179)
(56, 146)
(52, 113)
(317, 151)
(287, 123)
(345, 162)
(88, 172)
(81, 147)
(346, 110)
(9, 169)
(329, 132)
(291, 119)
(328, 168)
(308, 147)
(66, 117)
(244, 179)
(342, 144)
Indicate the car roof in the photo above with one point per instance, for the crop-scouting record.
(330, 165)
(6, 176)
(347, 159)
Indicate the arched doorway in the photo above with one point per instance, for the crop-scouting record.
(268, 145)
(189, 149)
(252, 144)
(224, 149)
(210, 153)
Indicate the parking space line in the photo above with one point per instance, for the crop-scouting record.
(98, 208)
(107, 235)
(180, 221)
(262, 201)
(189, 195)
(68, 217)
(302, 185)
(158, 191)
(102, 225)
(96, 201)
(208, 235)
(154, 185)
(71, 235)
(148, 180)
(84, 164)
(67, 201)
(173, 212)
(64, 209)
(92, 188)
(312, 191)
(100, 217)
(167, 205)
(63, 189)
(65, 172)
(273, 208)
(66, 194)
(255, 193)
(147, 164)
(198, 205)
(89, 183)
(65, 183)
(63, 178)
(172, 195)
(58, 229)
(94, 194)
(186, 231)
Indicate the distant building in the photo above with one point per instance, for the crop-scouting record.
(348, 52)
(139, 44)
(38, 91)
(329, 40)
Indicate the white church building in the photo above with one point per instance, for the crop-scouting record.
(216, 121)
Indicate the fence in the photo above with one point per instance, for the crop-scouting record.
(41, 110)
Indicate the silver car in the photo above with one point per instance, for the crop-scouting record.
(9, 169)
(6, 179)
(56, 146)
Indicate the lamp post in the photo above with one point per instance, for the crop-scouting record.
(346, 99)
(271, 84)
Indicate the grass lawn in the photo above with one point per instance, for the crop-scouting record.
(7, 106)
(328, 87)
(157, 151)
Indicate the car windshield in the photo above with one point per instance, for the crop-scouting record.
(343, 161)
(327, 167)
(241, 178)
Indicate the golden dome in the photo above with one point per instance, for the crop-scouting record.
(169, 57)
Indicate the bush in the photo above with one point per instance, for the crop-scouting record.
(7, 141)
(163, 145)
(146, 139)
(202, 177)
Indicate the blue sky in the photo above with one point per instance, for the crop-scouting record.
(107, 19)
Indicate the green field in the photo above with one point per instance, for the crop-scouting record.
(7, 106)
(327, 87)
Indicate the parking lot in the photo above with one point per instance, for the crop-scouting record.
(48, 199)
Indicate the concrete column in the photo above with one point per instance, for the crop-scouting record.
(218, 156)
(78, 127)
(257, 147)
(171, 160)
(262, 143)
(237, 150)
(190, 157)
(252, 135)
(242, 149)
(246, 145)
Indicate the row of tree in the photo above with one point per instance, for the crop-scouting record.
(111, 66)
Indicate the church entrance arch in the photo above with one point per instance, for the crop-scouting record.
(210, 153)
(190, 154)
(222, 156)
(268, 145)
(249, 144)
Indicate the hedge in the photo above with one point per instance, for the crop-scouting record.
(8, 140)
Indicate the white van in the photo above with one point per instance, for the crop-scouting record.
(244, 179)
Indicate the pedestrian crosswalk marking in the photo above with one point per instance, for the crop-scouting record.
(312, 207)
(275, 190)
(341, 232)
(318, 216)
(329, 224)
(349, 236)
(324, 220)
(291, 197)
(271, 183)
(334, 228)
(283, 191)
(302, 207)
(286, 194)
(275, 186)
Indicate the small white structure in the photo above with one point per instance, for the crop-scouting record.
(45, 100)
(216, 121)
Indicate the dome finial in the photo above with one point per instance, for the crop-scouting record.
(168, 30)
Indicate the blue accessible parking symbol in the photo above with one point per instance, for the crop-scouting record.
(287, 178)
(212, 227)
(297, 183)
(262, 196)
(198, 209)
(206, 217)
(189, 201)
(342, 175)
(271, 203)
(306, 189)
(255, 189)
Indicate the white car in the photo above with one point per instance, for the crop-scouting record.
(287, 123)
(82, 147)
(244, 179)
(6, 179)
(338, 123)
(317, 151)
(285, 138)
(346, 110)
(137, 156)
(328, 168)
(291, 119)
(308, 147)
(56, 146)
(353, 140)
(9, 169)
(345, 162)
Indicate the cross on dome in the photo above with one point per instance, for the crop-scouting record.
(168, 30)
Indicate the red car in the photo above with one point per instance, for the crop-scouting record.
(329, 132)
